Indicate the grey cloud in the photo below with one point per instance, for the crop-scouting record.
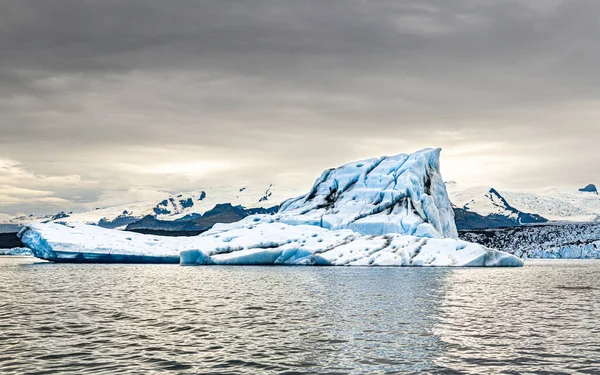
(296, 85)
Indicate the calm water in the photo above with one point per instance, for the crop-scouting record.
(106, 319)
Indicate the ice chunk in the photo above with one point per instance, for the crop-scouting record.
(88, 243)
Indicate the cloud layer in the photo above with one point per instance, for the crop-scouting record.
(105, 98)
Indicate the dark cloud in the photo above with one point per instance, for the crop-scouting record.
(282, 89)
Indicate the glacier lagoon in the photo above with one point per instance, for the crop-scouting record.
(130, 319)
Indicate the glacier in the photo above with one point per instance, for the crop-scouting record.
(390, 211)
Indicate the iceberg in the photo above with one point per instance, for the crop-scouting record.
(391, 211)
(256, 241)
(17, 251)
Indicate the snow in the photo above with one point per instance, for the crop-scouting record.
(251, 242)
(391, 211)
(555, 204)
(478, 199)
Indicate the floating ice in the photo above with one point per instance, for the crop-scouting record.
(80, 243)
(256, 243)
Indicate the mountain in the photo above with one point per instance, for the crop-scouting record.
(181, 207)
(390, 211)
(221, 213)
(486, 207)
(555, 240)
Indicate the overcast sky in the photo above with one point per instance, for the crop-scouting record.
(106, 101)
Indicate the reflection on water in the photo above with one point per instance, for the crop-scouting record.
(545, 316)
(167, 319)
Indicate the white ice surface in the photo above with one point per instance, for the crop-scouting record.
(56, 241)
(262, 242)
(402, 194)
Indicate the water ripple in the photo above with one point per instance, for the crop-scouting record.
(157, 319)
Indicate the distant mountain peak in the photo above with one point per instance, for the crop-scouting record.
(591, 188)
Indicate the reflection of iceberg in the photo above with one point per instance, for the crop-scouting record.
(389, 211)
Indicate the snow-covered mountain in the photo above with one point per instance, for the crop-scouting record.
(557, 205)
(485, 207)
(176, 207)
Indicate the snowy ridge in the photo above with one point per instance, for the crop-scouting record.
(399, 194)
(174, 207)
(526, 206)
(556, 205)
(494, 209)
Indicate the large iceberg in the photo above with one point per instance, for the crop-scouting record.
(391, 211)
(256, 241)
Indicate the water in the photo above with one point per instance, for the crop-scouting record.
(151, 319)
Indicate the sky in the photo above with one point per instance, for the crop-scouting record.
(105, 102)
